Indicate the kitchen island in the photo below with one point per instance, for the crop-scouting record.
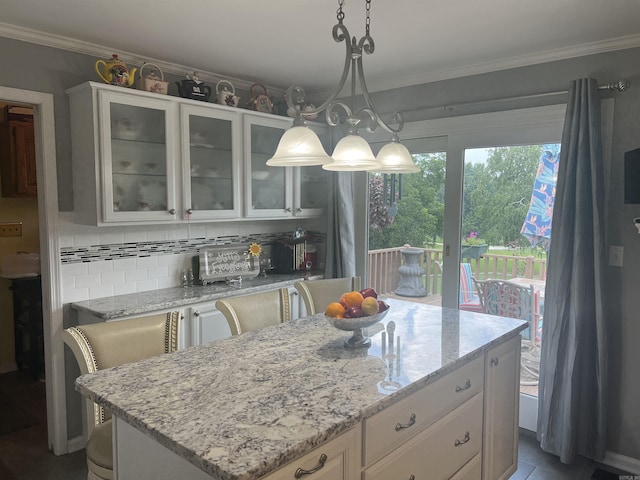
(256, 405)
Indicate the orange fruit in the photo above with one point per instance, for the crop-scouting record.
(335, 310)
(351, 299)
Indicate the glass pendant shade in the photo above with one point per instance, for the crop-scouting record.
(352, 154)
(299, 147)
(395, 158)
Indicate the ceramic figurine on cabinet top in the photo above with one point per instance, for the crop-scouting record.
(115, 72)
(259, 101)
(194, 88)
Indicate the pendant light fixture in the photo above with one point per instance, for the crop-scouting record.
(300, 146)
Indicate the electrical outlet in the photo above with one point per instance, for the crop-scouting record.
(11, 229)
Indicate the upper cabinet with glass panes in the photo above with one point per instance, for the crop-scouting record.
(140, 157)
(280, 192)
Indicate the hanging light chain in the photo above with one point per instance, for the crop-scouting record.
(367, 21)
(339, 12)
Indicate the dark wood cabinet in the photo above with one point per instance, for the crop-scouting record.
(18, 159)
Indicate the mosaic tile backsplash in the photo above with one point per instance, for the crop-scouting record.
(103, 270)
(96, 253)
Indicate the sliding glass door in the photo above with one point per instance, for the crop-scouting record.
(491, 163)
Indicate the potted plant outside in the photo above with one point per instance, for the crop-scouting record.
(473, 246)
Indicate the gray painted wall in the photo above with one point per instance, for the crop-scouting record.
(46, 69)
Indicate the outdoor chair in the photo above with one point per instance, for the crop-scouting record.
(508, 299)
(467, 298)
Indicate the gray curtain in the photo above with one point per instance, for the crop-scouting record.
(573, 367)
(340, 260)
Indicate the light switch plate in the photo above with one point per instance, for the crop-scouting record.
(11, 229)
(615, 255)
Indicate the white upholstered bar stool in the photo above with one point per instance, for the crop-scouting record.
(256, 310)
(108, 344)
(317, 294)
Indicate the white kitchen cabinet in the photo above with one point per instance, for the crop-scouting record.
(502, 382)
(439, 451)
(124, 156)
(337, 459)
(280, 192)
(294, 303)
(143, 158)
(206, 324)
(211, 153)
(139, 457)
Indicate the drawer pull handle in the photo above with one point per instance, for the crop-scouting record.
(412, 477)
(467, 386)
(321, 461)
(466, 438)
(412, 420)
(495, 361)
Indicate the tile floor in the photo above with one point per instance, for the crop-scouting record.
(24, 454)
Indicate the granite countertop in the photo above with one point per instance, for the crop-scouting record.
(242, 407)
(108, 308)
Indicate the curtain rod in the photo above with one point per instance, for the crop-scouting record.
(619, 86)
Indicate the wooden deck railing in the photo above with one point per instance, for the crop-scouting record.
(384, 264)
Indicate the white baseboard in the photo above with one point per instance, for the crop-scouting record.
(528, 413)
(75, 444)
(622, 462)
(8, 367)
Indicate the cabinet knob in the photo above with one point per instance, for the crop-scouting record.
(196, 313)
(288, 209)
(495, 361)
(299, 209)
(189, 211)
(172, 211)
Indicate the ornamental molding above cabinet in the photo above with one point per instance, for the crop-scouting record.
(144, 158)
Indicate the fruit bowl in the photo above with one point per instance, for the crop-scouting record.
(355, 325)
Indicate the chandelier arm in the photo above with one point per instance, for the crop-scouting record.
(333, 117)
(368, 119)
(295, 95)
(367, 44)
(398, 118)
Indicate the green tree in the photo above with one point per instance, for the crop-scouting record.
(420, 213)
(497, 194)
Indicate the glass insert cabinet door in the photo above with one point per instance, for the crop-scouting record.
(268, 189)
(137, 145)
(311, 184)
(211, 162)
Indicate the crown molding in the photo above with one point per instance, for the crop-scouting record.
(593, 48)
(102, 51)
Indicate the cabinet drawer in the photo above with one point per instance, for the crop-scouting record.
(382, 432)
(471, 471)
(341, 461)
(439, 451)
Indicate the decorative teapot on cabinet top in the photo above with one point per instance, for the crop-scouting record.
(193, 87)
(115, 72)
(226, 96)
